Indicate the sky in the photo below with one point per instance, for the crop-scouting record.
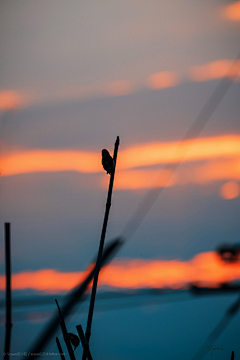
(75, 75)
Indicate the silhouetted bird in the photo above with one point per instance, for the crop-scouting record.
(107, 161)
(74, 340)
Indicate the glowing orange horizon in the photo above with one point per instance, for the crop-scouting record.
(162, 80)
(232, 11)
(204, 268)
(136, 156)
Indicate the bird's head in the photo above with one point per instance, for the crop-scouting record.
(105, 152)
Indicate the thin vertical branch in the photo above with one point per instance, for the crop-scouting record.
(8, 291)
(65, 334)
(84, 342)
(98, 264)
(60, 349)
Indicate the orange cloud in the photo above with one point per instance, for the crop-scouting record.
(162, 79)
(10, 100)
(112, 88)
(232, 11)
(215, 70)
(213, 148)
(173, 152)
(141, 179)
(230, 190)
(46, 280)
(50, 160)
(205, 268)
(118, 88)
(217, 170)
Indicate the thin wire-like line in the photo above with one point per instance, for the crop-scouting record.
(71, 299)
(121, 301)
(219, 328)
(192, 133)
(112, 305)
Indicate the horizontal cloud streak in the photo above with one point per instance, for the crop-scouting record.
(12, 99)
(162, 80)
(50, 160)
(205, 268)
(136, 156)
(196, 174)
(173, 152)
(215, 70)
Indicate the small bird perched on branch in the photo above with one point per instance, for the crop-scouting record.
(74, 340)
(107, 161)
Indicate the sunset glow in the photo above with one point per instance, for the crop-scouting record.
(215, 70)
(118, 88)
(163, 79)
(205, 269)
(50, 160)
(212, 148)
(173, 152)
(141, 179)
(232, 11)
(10, 100)
(230, 190)
(216, 170)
